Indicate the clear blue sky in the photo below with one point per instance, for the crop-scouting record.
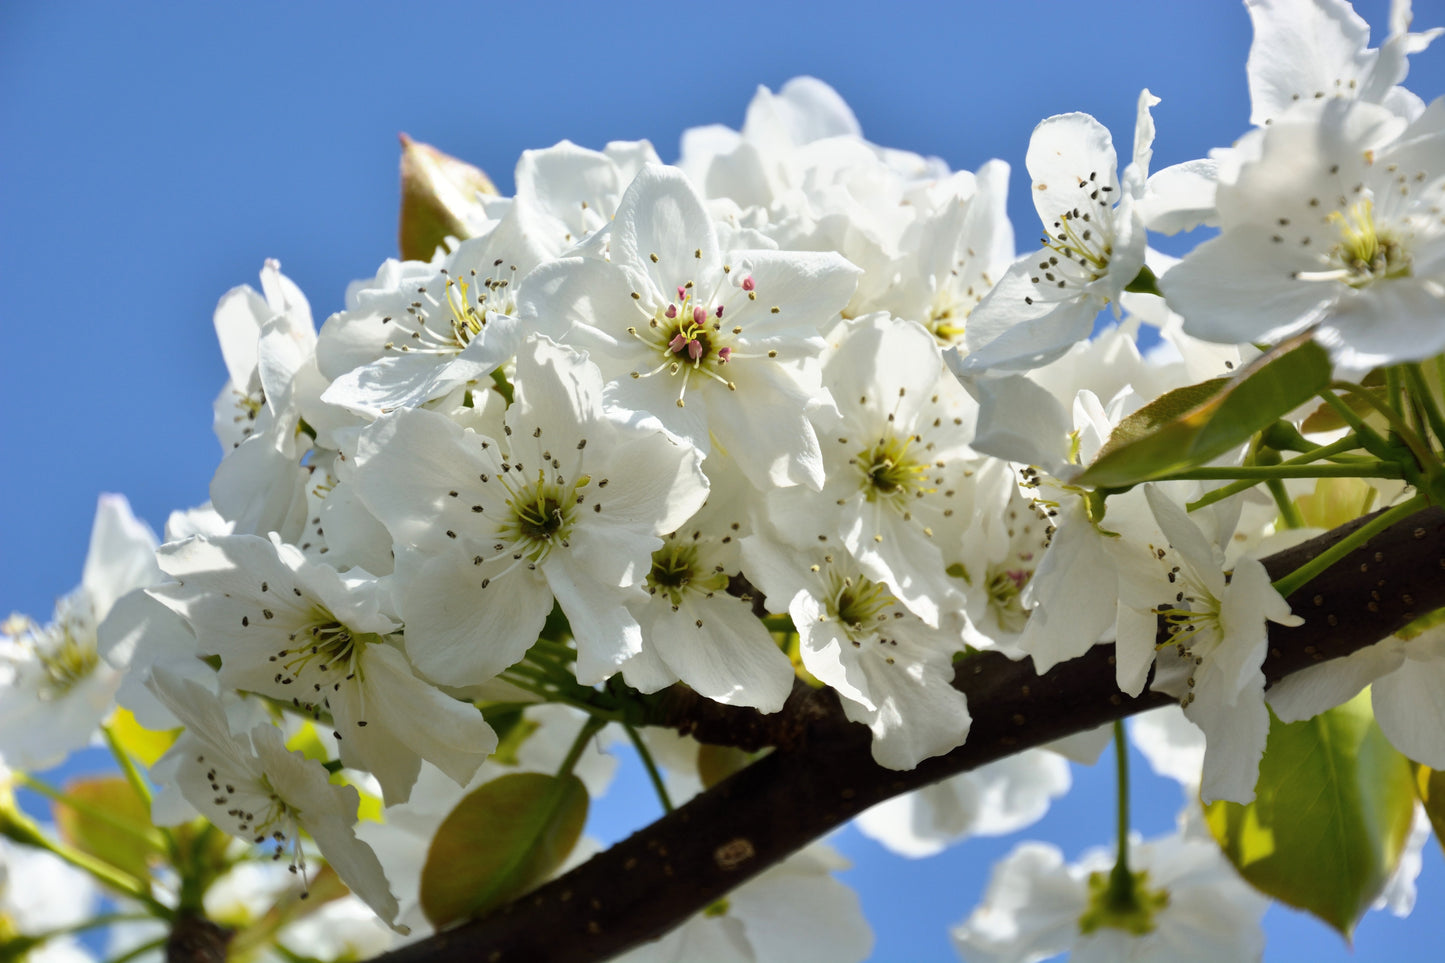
(155, 154)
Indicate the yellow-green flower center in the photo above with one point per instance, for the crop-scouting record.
(889, 471)
(469, 314)
(68, 663)
(677, 567)
(541, 515)
(1005, 588)
(1365, 251)
(857, 601)
(1122, 901)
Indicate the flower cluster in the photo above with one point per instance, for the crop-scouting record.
(789, 409)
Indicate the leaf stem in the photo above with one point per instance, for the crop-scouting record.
(25, 832)
(1331, 450)
(1369, 438)
(590, 728)
(1120, 879)
(651, 766)
(1289, 512)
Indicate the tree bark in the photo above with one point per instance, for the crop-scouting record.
(821, 773)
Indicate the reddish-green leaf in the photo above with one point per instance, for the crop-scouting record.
(110, 821)
(502, 839)
(438, 198)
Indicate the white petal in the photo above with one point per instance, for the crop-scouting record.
(729, 657)
(1234, 736)
(1065, 150)
(458, 633)
(1316, 688)
(661, 214)
(449, 733)
(606, 632)
(1410, 708)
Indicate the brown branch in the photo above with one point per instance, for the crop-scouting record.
(822, 774)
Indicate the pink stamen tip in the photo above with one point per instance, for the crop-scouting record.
(699, 315)
(678, 342)
(723, 354)
(694, 350)
(681, 293)
(748, 284)
(719, 310)
(671, 311)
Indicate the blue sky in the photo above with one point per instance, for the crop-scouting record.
(157, 153)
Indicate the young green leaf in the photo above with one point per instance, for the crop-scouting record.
(1331, 815)
(502, 839)
(1193, 425)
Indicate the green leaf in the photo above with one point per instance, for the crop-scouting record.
(1331, 815)
(1430, 787)
(1193, 425)
(145, 745)
(438, 198)
(108, 820)
(501, 840)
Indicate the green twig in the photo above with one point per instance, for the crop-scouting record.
(1331, 450)
(1369, 438)
(1258, 473)
(1301, 576)
(127, 764)
(25, 832)
(1425, 399)
(141, 950)
(1397, 423)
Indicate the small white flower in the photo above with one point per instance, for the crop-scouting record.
(1317, 49)
(417, 332)
(303, 634)
(1329, 222)
(1218, 639)
(709, 344)
(1094, 243)
(567, 505)
(693, 630)
(251, 787)
(892, 671)
(54, 687)
(898, 493)
(993, 800)
(1191, 908)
